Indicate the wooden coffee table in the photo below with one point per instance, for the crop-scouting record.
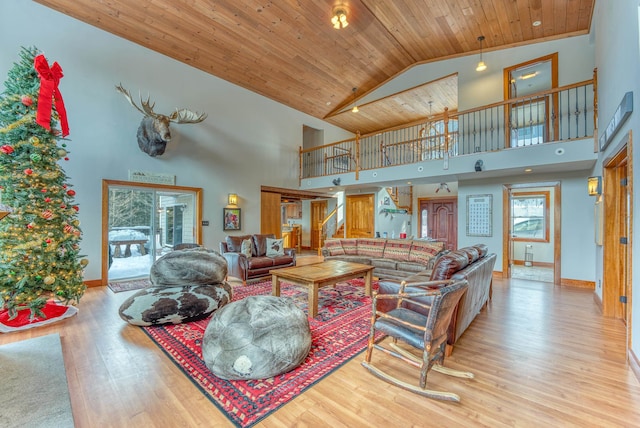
(318, 275)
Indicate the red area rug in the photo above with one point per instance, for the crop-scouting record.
(53, 312)
(338, 333)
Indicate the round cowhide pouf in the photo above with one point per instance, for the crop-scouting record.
(186, 285)
(256, 338)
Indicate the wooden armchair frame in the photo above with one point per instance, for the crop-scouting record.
(425, 332)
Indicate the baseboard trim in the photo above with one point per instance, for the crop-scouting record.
(538, 264)
(634, 364)
(566, 282)
(93, 283)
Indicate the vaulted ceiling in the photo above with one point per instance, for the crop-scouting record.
(288, 51)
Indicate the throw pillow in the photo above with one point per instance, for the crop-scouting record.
(246, 247)
(274, 247)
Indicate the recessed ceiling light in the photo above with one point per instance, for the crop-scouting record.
(408, 182)
(528, 170)
(537, 23)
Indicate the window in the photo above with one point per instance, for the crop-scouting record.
(530, 119)
(530, 216)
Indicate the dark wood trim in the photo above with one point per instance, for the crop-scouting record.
(94, 283)
(577, 283)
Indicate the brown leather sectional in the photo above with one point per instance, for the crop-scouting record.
(472, 263)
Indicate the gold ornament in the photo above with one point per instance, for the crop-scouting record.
(49, 280)
(84, 262)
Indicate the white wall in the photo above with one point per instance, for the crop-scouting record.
(247, 140)
(617, 50)
(577, 220)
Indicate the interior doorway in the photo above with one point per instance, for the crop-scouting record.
(318, 214)
(531, 237)
(142, 222)
(617, 237)
(359, 217)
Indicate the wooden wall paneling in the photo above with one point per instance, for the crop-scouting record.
(270, 214)
(293, 46)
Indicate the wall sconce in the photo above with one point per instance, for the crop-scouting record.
(232, 199)
(481, 65)
(594, 185)
(339, 17)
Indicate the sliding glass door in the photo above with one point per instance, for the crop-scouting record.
(145, 222)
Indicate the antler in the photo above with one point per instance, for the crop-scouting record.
(178, 116)
(187, 116)
(146, 109)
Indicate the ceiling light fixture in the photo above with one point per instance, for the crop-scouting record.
(528, 76)
(443, 186)
(481, 65)
(355, 108)
(339, 17)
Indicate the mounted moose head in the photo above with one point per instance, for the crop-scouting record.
(153, 132)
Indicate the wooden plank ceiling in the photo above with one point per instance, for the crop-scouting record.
(288, 51)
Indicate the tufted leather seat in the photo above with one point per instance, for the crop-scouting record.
(258, 265)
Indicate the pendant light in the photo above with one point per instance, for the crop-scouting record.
(481, 65)
(355, 106)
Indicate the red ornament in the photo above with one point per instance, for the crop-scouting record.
(48, 241)
(28, 171)
(47, 199)
(63, 206)
(68, 228)
(6, 149)
(47, 214)
(71, 192)
(26, 100)
(43, 190)
(30, 226)
(64, 186)
(75, 207)
(66, 159)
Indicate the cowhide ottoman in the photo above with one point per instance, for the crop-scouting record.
(255, 338)
(186, 285)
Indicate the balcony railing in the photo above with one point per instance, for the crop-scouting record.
(556, 115)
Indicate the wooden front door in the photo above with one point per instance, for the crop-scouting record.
(359, 220)
(442, 220)
(318, 214)
(617, 239)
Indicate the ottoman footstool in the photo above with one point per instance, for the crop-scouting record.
(256, 338)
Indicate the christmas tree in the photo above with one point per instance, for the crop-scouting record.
(39, 239)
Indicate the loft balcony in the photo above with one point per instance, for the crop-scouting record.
(547, 131)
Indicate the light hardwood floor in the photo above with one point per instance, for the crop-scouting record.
(542, 356)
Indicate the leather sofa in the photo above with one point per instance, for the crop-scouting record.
(472, 263)
(394, 259)
(258, 265)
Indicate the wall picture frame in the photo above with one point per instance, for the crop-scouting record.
(231, 219)
(480, 215)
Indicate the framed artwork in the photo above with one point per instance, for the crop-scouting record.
(231, 219)
(479, 214)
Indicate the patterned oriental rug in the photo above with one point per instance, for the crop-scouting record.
(339, 333)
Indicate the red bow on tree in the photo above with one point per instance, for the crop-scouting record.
(49, 92)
